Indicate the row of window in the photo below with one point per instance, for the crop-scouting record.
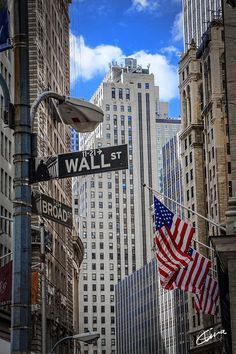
(6, 184)
(6, 148)
(102, 288)
(126, 94)
(114, 107)
(5, 225)
(94, 266)
(94, 277)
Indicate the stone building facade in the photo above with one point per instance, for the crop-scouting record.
(205, 151)
(49, 70)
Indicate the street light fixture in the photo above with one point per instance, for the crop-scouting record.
(81, 115)
(88, 337)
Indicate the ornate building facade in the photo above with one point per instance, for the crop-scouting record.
(205, 152)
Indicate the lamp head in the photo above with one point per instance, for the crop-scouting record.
(81, 115)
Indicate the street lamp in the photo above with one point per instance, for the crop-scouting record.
(21, 121)
(88, 337)
(82, 116)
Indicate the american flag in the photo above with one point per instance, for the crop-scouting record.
(170, 254)
(208, 298)
(181, 232)
(193, 276)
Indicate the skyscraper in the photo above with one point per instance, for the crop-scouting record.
(167, 128)
(196, 17)
(117, 231)
(137, 313)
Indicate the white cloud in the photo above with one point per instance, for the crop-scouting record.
(166, 74)
(87, 62)
(177, 28)
(171, 50)
(143, 5)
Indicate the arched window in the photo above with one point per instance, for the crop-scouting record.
(113, 92)
(120, 93)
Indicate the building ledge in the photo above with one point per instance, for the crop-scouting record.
(225, 247)
(189, 128)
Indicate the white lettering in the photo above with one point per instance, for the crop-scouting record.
(44, 211)
(50, 209)
(93, 167)
(65, 216)
(103, 164)
(71, 164)
(118, 154)
(207, 335)
(84, 164)
(113, 156)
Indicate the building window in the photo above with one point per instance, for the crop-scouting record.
(127, 94)
(139, 85)
(107, 107)
(113, 92)
(120, 94)
(114, 107)
(146, 85)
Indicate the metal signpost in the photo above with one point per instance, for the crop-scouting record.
(79, 163)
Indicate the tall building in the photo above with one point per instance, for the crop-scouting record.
(167, 128)
(49, 70)
(196, 18)
(6, 178)
(205, 150)
(117, 231)
(137, 313)
(173, 304)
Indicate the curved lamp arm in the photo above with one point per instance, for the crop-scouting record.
(39, 99)
(61, 340)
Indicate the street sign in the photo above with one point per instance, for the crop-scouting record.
(80, 163)
(52, 209)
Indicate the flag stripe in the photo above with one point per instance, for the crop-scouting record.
(192, 277)
(207, 300)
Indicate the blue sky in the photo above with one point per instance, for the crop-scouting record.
(106, 30)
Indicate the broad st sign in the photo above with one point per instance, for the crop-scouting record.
(50, 208)
(80, 163)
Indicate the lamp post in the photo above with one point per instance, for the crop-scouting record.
(88, 337)
(21, 243)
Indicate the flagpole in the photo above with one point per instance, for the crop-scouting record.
(188, 209)
(5, 255)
